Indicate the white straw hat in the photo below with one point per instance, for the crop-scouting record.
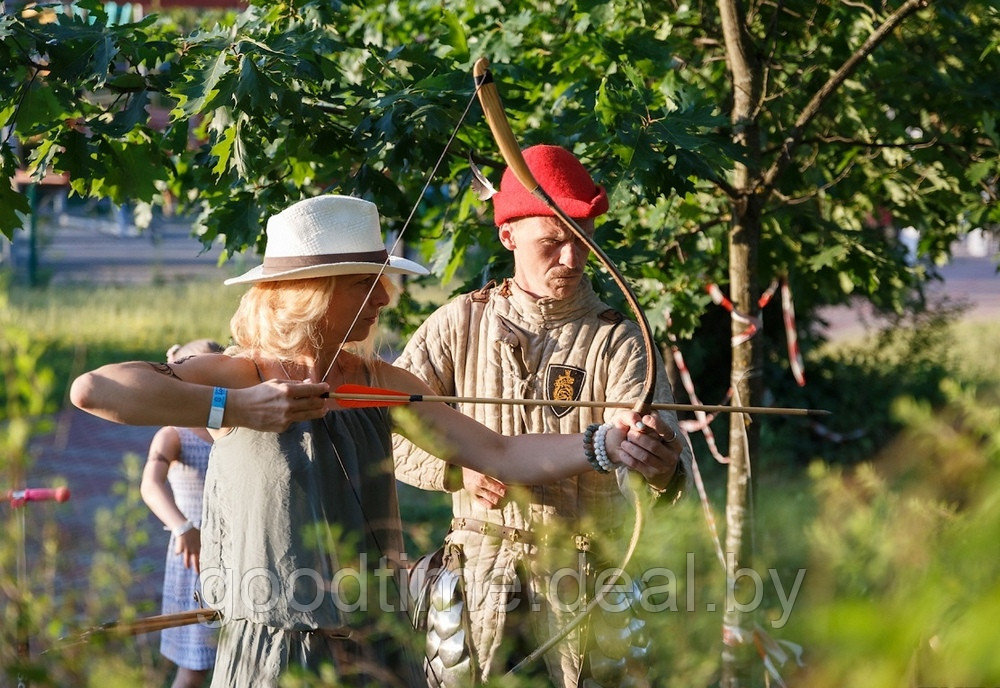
(324, 236)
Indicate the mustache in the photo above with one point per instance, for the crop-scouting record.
(562, 273)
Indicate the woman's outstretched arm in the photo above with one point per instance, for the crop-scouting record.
(181, 393)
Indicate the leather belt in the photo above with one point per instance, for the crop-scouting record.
(581, 542)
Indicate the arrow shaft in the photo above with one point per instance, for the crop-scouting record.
(403, 398)
(161, 622)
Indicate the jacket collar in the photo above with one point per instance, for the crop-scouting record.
(551, 312)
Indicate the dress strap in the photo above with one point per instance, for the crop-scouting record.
(260, 374)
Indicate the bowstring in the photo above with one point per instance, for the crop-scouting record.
(402, 231)
(648, 392)
(428, 666)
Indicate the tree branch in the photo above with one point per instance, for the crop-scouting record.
(827, 90)
(726, 188)
(915, 144)
(860, 6)
(795, 200)
(741, 61)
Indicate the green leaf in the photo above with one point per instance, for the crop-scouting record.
(240, 157)
(223, 150)
(456, 35)
(135, 112)
(202, 84)
(39, 109)
(41, 156)
(251, 93)
(7, 114)
(13, 209)
(127, 81)
(827, 257)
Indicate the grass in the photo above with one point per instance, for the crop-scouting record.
(976, 349)
(85, 326)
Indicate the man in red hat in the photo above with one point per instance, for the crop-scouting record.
(522, 560)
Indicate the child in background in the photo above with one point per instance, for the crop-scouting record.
(172, 485)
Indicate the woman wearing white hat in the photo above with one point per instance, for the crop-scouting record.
(299, 492)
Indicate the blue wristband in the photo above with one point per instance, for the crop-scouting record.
(218, 407)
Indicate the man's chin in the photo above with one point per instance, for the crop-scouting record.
(563, 287)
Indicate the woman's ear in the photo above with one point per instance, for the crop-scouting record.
(506, 234)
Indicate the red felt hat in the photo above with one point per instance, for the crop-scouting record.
(562, 176)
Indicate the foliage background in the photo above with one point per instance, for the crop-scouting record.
(290, 99)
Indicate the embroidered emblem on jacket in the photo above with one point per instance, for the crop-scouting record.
(563, 383)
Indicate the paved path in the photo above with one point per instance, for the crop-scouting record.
(970, 282)
(79, 245)
(86, 454)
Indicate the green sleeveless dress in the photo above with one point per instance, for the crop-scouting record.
(301, 535)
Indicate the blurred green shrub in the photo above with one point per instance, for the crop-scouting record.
(904, 574)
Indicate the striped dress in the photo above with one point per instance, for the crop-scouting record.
(191, 647)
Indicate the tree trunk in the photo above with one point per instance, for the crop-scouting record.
(744, 240)
(749, 191)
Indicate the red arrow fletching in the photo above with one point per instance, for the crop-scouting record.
(360, 396)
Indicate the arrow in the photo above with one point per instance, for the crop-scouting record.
(147, 624)
(160, 622)
(360, 396)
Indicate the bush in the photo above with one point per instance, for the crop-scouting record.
(905, 584)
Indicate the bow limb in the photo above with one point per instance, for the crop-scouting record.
(631, 484)
(511, 152)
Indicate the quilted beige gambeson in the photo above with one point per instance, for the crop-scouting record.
(501, 342)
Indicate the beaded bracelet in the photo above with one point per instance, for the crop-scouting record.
(601, 449)
(588, 447)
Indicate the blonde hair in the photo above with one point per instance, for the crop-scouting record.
(285, 318)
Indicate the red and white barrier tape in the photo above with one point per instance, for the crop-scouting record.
(753, 324)
(706, 507)
(773, 653)
(703, 419)
(756, 323)
(791, 335)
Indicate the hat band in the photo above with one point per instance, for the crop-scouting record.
(272, 265)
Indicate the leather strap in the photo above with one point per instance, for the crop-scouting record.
(581, 542)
